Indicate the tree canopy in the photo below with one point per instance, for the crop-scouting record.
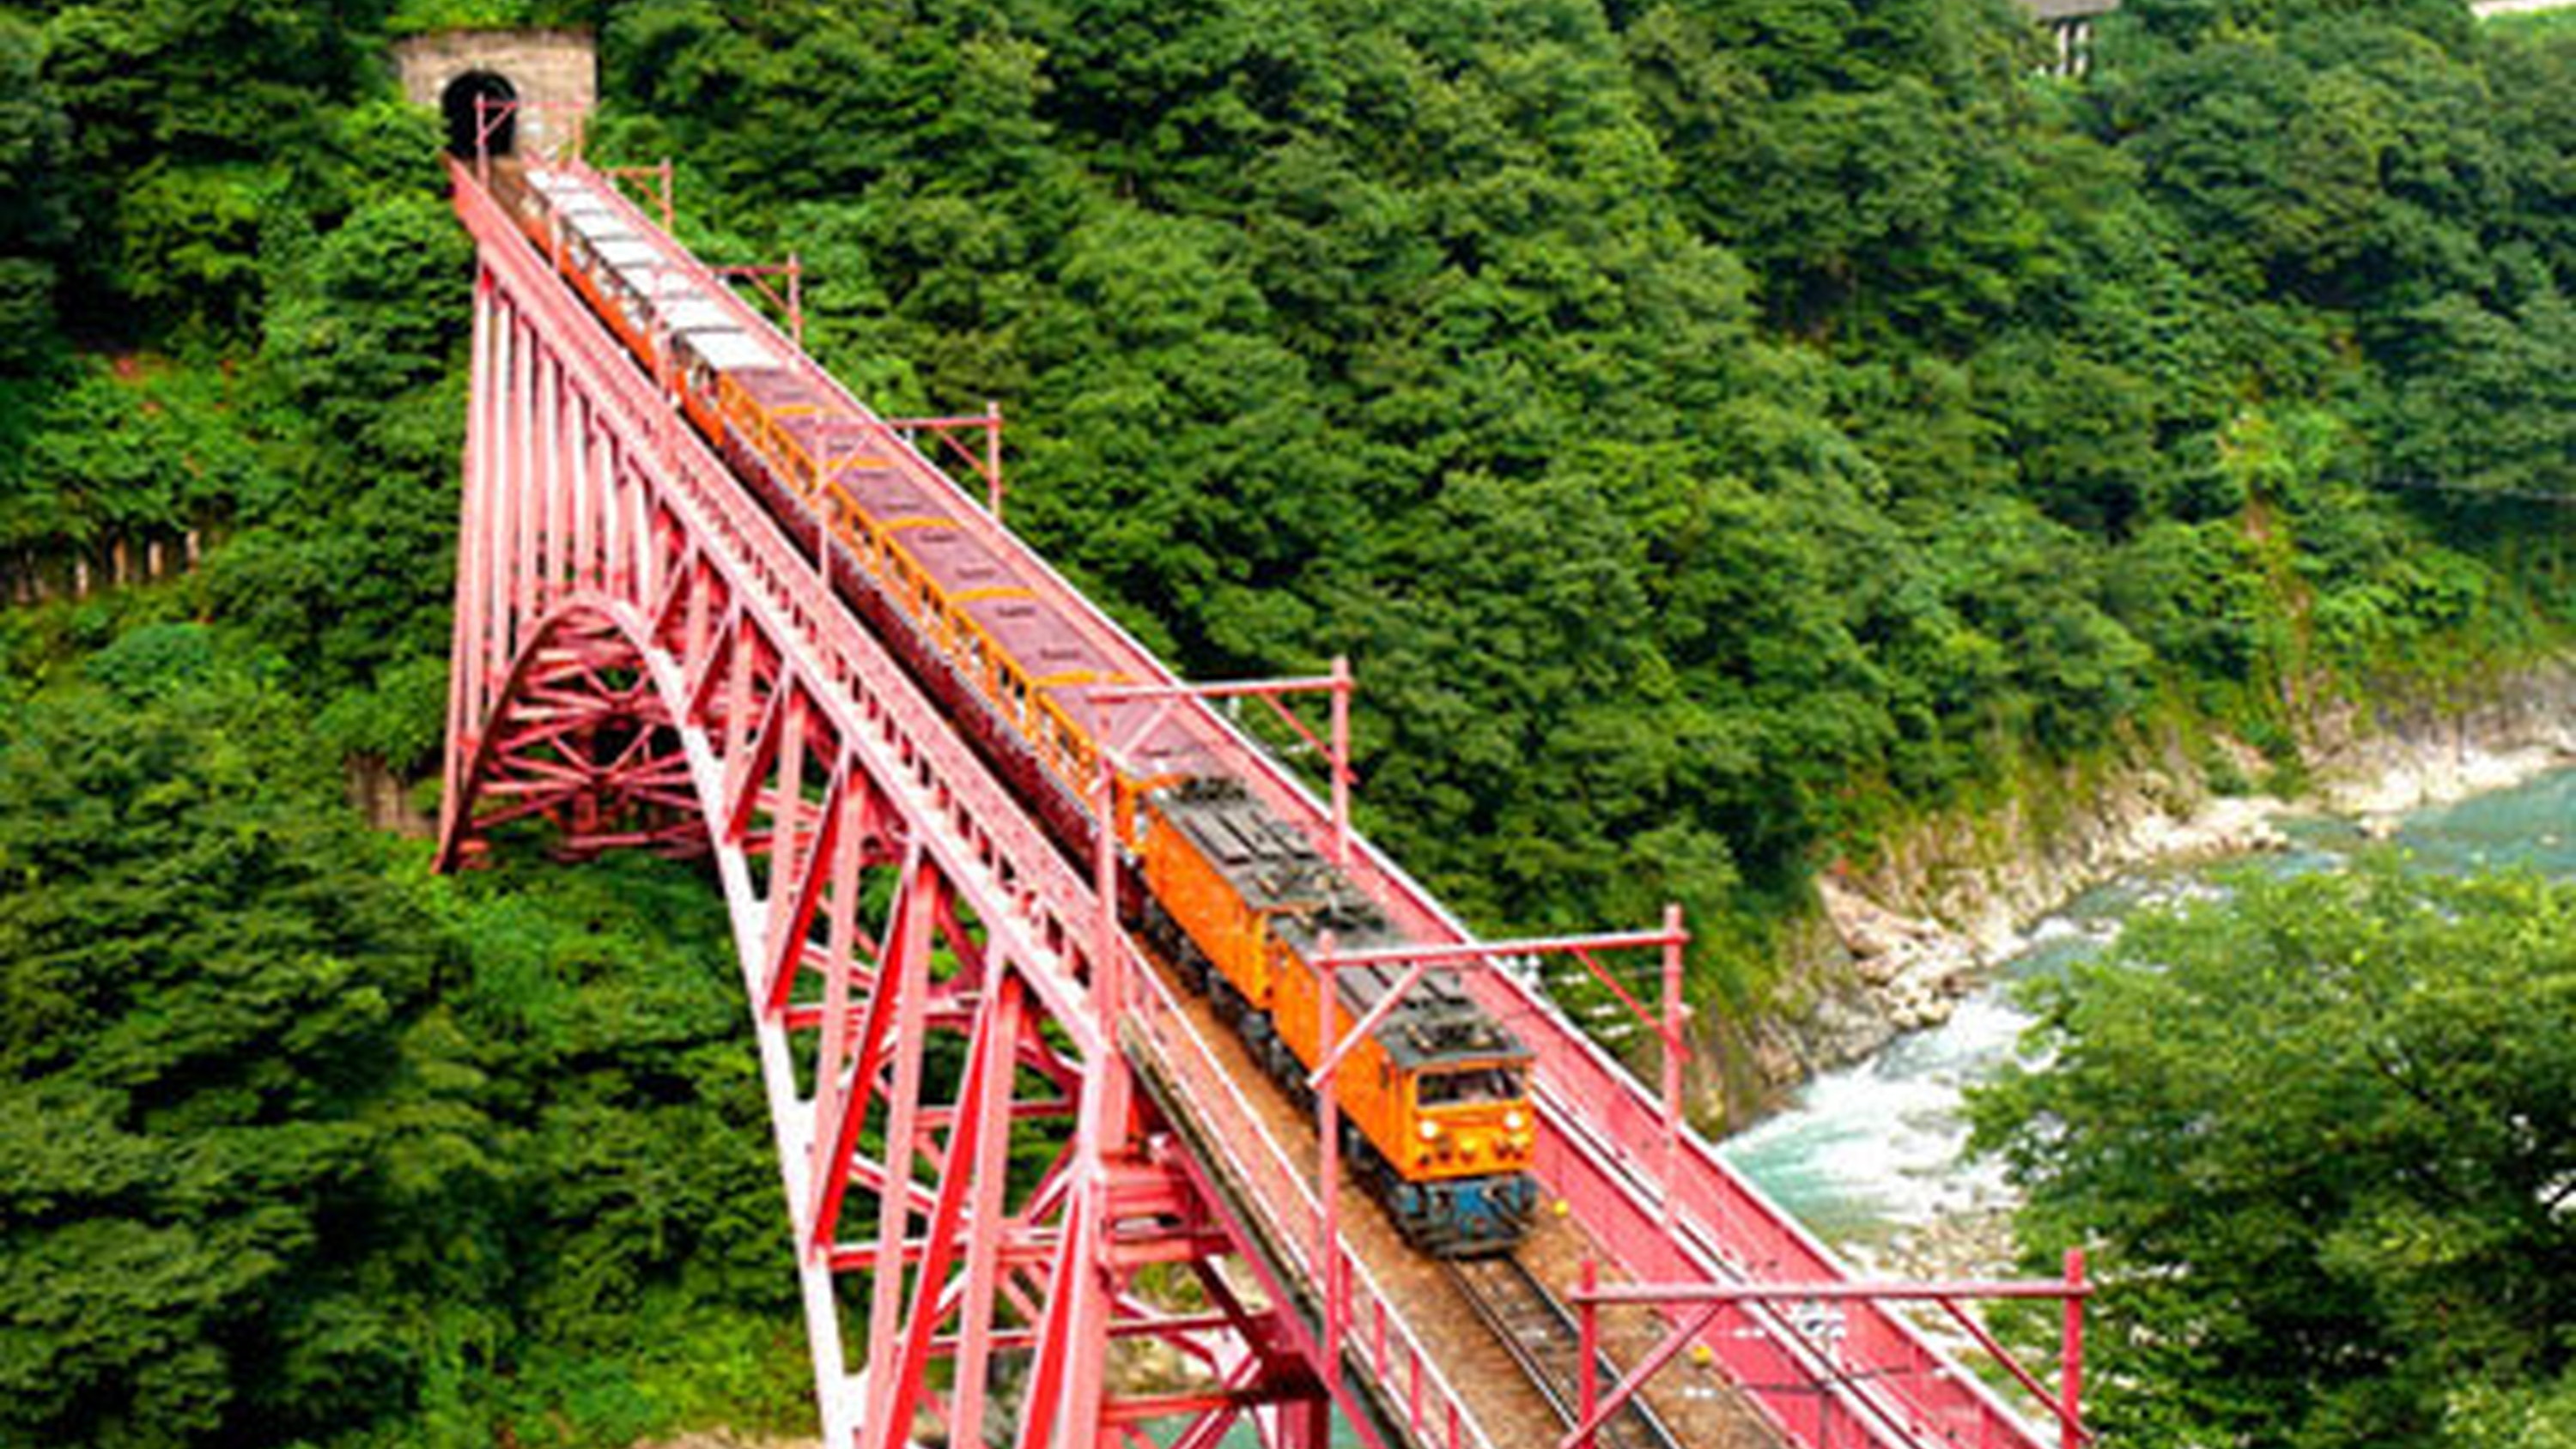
(2322, 1139)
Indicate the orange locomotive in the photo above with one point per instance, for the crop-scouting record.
(1435, 1100)
(1434, 1103)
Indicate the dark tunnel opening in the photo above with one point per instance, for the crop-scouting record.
(499, 127)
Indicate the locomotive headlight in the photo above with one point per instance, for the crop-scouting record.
(1430, 1130)
(1513, 1121)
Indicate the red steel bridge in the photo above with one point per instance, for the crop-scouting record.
(1038, 1198)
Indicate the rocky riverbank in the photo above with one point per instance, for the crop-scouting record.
(1900, 939)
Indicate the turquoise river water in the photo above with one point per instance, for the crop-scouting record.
(1869, 1157)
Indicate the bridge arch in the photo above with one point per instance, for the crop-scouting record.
(581, 738)
(643, 661)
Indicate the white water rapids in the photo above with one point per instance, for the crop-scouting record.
(1870, 1157)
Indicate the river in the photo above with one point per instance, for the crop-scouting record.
(1869, 1157)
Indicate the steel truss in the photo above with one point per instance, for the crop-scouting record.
(641, 662)
(986, 1165)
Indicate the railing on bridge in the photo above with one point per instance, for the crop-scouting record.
(1657, 1211)
(1266, 1179)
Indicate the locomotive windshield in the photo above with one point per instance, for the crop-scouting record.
(1475, 1084)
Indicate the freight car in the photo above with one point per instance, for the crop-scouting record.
(1435, 1102)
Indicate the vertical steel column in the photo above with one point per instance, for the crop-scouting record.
(1328, 1150)
(525, 500)
(465, 703)
(1340, 763)
(547, 556)
(585, 499)
(502, 521)
(616, 572)
(2070, 1384)
(993, 458)
(796, 298)
(1113, 1082)
(1674, 1014)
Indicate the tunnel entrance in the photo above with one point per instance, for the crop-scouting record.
(458, 104)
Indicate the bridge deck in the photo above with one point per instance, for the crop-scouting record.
(1686, 1216)
(1504, 1405)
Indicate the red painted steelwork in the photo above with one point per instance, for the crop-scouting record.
(660, 175)
(791, 302)
(644, 656)
(2066, 1405)
(946, 431)
(1690, 1217)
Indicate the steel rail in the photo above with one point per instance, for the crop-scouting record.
(1901, 1391)
(1553, 1366)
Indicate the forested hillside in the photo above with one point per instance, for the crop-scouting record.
(1720, 430)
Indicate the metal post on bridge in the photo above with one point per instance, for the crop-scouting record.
(791, 301)
(660, 174)
(492, 113)
(945, 430)
(1676, 1016)
(1108, 960)
(2070, 1369)
(490, 116)
(1339, 683)
(1709, 1299)
(1417, 962)
(1328, 1173)
(993, 457)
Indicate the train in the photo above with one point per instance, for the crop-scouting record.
(1435, 1104)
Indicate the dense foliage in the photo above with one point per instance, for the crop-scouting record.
(295, 1141)
(2323, 1138)
(1719, 429)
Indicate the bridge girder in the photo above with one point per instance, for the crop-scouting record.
(969, 1185)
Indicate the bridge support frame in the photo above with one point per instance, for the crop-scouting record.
(1693, 1307)
(605, 547)
(643, 661)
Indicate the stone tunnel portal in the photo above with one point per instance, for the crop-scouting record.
(552, 75)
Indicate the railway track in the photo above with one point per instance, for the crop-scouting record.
(1545, 1340)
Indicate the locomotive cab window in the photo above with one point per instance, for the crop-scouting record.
(1463, 1088)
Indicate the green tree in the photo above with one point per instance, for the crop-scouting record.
(205, 987)
(178, 112)
(36, 225)
(2322, 1137)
